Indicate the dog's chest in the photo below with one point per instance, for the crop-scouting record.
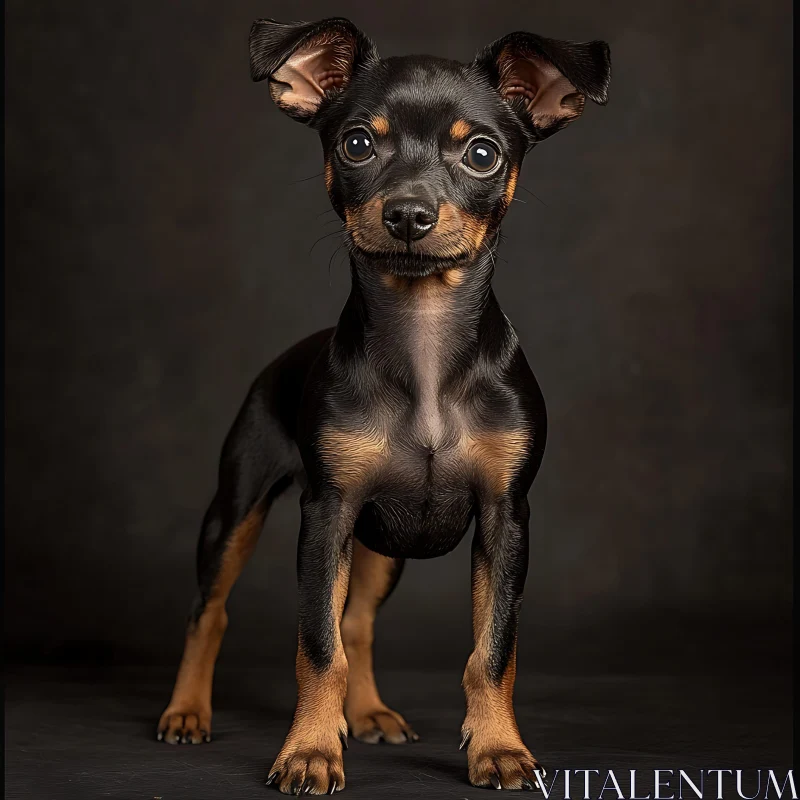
(419, 501)
(417, 460)
(412, 478)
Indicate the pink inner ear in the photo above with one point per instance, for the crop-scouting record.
(311, 71)
(520, 88)
(549, 97)
(330, 79)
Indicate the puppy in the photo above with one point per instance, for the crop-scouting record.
(418, 414)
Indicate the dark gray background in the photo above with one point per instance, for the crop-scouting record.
(157, 256)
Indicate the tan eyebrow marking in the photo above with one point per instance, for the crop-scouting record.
(380, 125)
(459, 130)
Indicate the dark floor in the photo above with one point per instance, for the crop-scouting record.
(83, 734)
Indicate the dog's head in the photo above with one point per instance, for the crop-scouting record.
(422, 154)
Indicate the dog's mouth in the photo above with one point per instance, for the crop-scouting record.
(411, 263)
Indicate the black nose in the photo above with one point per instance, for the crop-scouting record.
(409, 218)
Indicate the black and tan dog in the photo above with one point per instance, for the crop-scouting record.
(418, 413)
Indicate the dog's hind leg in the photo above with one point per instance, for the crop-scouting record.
(187, 718)
(257, 464)
(259, 460)
(372, 579)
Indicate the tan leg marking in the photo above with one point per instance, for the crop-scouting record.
(496, 752)
(187, 718)
(369, 718)
(312, 752)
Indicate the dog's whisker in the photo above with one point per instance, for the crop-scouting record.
(486, 247)
(526, 189)
(322, 238)
(309, 178)
(336, 252)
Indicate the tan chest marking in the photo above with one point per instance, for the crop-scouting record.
(496, 456)
(353, 457)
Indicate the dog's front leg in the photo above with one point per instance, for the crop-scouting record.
(311, 757)
(496, 753)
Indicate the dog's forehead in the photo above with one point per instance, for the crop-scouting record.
(422, 93)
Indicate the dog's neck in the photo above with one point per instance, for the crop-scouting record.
(423, 332)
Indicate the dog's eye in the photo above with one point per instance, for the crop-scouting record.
(481, 157)
(357, 146)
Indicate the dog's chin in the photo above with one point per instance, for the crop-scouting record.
(411, 265)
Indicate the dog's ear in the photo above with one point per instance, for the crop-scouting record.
(306, 62)
(546, 81)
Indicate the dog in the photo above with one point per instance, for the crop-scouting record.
(418, 414)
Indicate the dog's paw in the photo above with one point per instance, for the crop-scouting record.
(380, 724)
(184, 726)
(307, 772)
(504, 768)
